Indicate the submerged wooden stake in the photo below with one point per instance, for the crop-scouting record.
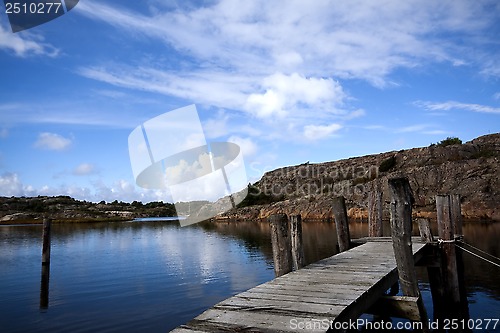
(341, 223)
(45, 275)
(280, 238)
(46, 241)
(296, 240)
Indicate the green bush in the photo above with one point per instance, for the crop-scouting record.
(387, 164)
(449, 141)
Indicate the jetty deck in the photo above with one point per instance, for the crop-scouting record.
(339, 288)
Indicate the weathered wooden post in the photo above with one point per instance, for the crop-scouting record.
(341, 223)
(449, 260)
(401, 232)
(456, 215)
(375, 211)
(296, 240)
(280, 238)
(457, 222)
(424, 227)
(44, 287)
(433, 273)
(46, 241)
(45, 275)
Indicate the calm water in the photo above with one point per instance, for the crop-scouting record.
(154, 276)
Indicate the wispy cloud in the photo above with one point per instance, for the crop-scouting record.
(52, 141)
(25, 44)
(84, 169)
(453, 105)
(317, 132)
(282, 60)
(412, 128)
(351, 39)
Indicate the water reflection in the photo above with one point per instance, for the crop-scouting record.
(153, 276)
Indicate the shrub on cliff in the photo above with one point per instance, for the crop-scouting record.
(449, 141)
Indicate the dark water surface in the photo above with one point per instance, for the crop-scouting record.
(154, 276)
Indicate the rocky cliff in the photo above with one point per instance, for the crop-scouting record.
(470, 169)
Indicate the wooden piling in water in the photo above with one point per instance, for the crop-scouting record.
(401, 232)
(46, 241)
(456, 215)
(341, 223)
(448, 255)
(375, 211)
(296, 241)
(457, 222)
(45, 274)
(280, 239)
(424, 227)
(44, 287)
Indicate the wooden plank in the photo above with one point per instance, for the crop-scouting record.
(280, 306)
(327, 297)
(248, 321)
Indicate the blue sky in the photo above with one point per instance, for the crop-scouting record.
(289, 81)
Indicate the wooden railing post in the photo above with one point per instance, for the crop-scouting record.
(401, 232)
(296, 240)
(280, 238)
(375, 211)
(341, 223)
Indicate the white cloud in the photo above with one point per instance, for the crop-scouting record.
(285, 94)
(121, 190)
(247, 146)
(318, 132)
(10, 185)
(351, 39)
(84, 169)
(22, 47)
(496, 96)
(52, 141)
(453, 105)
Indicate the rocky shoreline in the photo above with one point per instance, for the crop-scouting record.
(32, 210)
(470, 169)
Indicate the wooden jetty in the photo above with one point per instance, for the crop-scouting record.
(334, 292)
(338, 289)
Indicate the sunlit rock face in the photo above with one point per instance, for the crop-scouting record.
(470, 170)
